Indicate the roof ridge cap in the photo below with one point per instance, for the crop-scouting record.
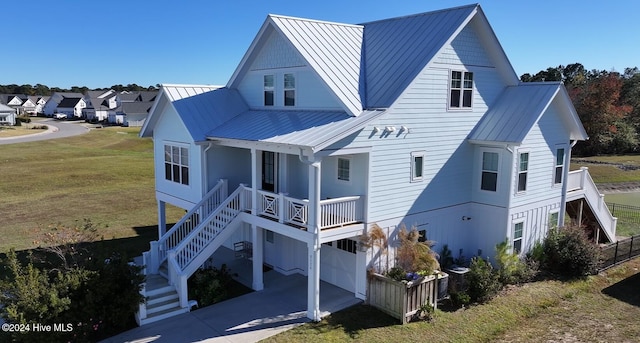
(314, 20)
(420, 14)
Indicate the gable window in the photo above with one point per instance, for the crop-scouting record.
(461, 89)
(289, 90)
(517, 237)
(417, 165)
(489, 180)
(176, 164)
(523, 168)
(344, 169)
(559, 168)
(268, 90)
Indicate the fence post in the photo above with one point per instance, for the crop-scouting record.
(615, 255)
(631, 247)
(613, 209)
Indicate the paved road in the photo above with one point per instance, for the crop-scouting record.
(57, 129)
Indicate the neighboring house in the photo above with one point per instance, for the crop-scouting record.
(71, 106)
(325, 129)
(14, 101)
(28, 107)
(98, 104)
(7, 115)
(40, 101)
(130, 113)
(51, 105)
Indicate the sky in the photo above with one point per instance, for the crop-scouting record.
(98, 44)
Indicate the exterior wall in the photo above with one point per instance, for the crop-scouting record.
(286, 255)
(338, 267)
(7, 118)
(233, 164)
(136, 119)
(502, 194)
(277, 57)
(170, 129)
(334, 188)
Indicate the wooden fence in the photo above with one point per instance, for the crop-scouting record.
(404, 300)
(620, 251)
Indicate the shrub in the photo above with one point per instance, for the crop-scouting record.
(416, 256)
(211, 285)
(569, 253)
(511, 268)
(483, 280)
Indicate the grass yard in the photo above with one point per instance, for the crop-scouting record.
(610, 169)
(602, 308)
(25, 129)
(105, 176)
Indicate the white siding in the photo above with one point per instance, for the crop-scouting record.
(233, 164)
(277, 52)
(338, 267)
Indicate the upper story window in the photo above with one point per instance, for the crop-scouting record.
(344, 169)
(289, 90)
(268, 90)
(523, 169)
(176, 164)
(461, 89)
(489, 179)
(559, 168)
(417, 165)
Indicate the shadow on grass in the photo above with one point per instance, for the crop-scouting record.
(626, 290)
(355, 319)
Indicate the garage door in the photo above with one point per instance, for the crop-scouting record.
(338, 263)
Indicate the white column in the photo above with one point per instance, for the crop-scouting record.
(313, 275)
(257, 238)
(162, 218)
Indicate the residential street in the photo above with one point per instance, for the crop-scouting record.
(57, 129)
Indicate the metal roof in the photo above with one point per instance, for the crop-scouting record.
(200, 107)
(311, 129)
(518, 109)
(4, 108)
(332, 50)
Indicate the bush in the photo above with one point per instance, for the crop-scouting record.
(211, 285)
(483, 281)
(511, 268)
(569, 253)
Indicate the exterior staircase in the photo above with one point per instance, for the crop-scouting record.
(581, 188)
(183, 249)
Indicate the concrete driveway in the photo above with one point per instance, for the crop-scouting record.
(57, 129)
(249, 318)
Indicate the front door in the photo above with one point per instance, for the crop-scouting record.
(269, 171)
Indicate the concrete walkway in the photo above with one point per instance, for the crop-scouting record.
(252, 317)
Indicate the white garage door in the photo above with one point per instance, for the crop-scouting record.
(338, 264)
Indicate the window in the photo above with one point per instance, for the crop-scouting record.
(289, 90)
(417, 166)
(268, 90)
(344, 169)
(461, 89)
(517, 237)
(553, 220)
(523, 167)
(422, 236)
(347, 245)
(176, 164)
(268, 236)
(489, 181)
(559, 169)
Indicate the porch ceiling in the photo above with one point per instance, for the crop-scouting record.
(313, 130)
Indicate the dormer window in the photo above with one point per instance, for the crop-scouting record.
(461, 90)
(289, 90)
(268, 90)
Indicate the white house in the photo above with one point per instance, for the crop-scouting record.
(325, 129)
(7, 115)
(51, 105)
(71, 106)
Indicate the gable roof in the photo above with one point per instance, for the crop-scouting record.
(333, 51)
(68, 102)
(6, 109)
(200, 107)
(397, 49)
(519, 108)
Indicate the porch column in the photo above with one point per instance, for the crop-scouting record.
(257, 233)
(162, 218)
(313, 247)
(361, 274)
(257, 259)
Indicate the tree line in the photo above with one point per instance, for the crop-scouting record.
(607, 102)
(40, 89)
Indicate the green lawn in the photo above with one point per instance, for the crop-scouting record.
(610, 173)
(105, 175)
(603, 308)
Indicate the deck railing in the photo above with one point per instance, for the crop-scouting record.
(580, 181)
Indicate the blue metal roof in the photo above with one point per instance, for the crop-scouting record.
(312, 129)
(396, 50)
(518, 109)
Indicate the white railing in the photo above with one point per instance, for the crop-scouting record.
(191, 246)
(190, 220)
(580, 181)
(341, 211)
(296, 211)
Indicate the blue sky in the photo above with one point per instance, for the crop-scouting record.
(98, 44)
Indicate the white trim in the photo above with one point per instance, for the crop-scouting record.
(481, 168)
(189, 165)
(460, 108)
(294, 89)
(555, 165)
(350, 170)
(513, 235)
(415, 154)
(517, 171)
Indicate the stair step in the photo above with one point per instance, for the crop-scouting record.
(168, 313)
(162, 306)
(162, 297)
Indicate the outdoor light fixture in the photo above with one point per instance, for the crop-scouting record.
(389, 128)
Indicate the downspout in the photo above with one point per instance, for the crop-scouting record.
(512, 171)
(565, 176)
(205, 168)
